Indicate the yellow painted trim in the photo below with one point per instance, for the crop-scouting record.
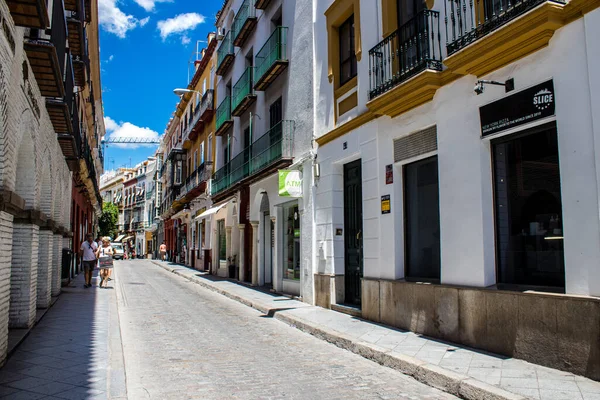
(336, 14)
(413, 93)
(346, 127)
(577, 8)
(389, 16)
(519, 38)
(348, 86)
(348, 103)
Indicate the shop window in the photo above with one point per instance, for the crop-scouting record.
(347, 54)
(222, 239)
(422, 220)
(291, 237)
(529, 235)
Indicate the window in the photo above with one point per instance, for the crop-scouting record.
(422, 219)
(222, 239)
(347, 52)
(529, 234)
(202, 152)
(195, 160)
(209, 157)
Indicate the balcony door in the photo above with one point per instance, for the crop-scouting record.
(275, 131)
(409, 27)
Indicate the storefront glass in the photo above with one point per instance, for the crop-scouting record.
(291, 242)
(529, 232)
(422, 219)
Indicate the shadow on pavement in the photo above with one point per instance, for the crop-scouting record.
(66, 354)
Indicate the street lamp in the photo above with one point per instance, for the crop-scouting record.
(181, 92)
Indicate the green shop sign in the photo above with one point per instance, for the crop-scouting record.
(290, 183)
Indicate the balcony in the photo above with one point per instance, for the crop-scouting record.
(202, 114)
(271, 60)
(225, 55)
(29, 13)
(47, 54)
(243, 93)
(64, 115)
(224, 120)
(262, 4)
(195, 183)
(75, 21)
(413, 48)
(207, 106)
(243, 23)
(81, 67)
(271, 151)
(480, 38)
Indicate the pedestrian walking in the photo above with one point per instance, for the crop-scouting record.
(105, 256)
(163, 251)
(87, 255)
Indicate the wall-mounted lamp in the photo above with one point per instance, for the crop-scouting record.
(509, 85)
(316, 170)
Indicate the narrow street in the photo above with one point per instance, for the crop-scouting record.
(183, 341)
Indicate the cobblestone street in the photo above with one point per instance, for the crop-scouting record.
(183, 341)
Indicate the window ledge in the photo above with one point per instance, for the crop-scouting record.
(346, 87)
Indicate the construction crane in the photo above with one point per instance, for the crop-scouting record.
(126, 140)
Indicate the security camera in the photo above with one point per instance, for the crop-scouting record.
(479, 88)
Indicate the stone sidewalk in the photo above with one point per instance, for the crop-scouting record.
(74, 352)
(458, 370)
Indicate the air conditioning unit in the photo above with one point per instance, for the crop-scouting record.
(220, 33)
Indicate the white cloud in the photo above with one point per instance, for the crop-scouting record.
(144, 21)
(185, 39)
(111, 57)
(113, 20)
(148, 5)
(179, 25)
(128, 130)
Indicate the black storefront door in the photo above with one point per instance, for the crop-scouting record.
(353, 232)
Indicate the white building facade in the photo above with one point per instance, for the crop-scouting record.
(264, 125)
(448, 211)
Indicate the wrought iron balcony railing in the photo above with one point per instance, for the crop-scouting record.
(468, 21)
(271, 59)
(413, 48)
(225, 54)
(243, 93)
(224, 120)
(244, 22)
(275, 145)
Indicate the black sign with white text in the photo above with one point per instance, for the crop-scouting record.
(521, 108)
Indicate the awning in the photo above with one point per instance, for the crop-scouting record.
(118, 239)
(210, 211)
(127, 238)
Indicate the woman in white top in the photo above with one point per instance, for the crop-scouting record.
(104, 254)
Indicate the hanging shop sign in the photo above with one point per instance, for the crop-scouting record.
(521, 108)
(290, 183)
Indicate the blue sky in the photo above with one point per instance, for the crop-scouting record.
(145, 46)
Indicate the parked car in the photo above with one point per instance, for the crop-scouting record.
(118, 251)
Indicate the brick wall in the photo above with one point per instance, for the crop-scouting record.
(56, 264)
(23, 276)
(6, 233)
(44, 268)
